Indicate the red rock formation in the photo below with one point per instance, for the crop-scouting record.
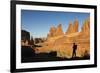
(51, 32)
(75, 26)
(69, 29)
(59, 30)
(86, 27)
(62, 43)
(72, 28)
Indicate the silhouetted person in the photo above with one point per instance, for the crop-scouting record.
(74, 50)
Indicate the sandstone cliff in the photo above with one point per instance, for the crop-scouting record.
(63, 43)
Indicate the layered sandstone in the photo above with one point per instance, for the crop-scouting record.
(63, 43)
(52, 32)
(59, 30)
(72, 28)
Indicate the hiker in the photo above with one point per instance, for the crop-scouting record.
(74, 50)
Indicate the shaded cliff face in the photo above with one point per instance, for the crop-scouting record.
(25, 35)
(63, 43)
(25, 38)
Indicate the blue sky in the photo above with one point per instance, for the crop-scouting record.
(38, 23)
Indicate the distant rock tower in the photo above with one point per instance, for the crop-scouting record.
(25, 38)
(25, 35)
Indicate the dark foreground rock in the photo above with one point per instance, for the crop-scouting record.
(29, 55)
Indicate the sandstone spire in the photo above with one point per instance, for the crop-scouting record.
(69, 29)
(86, 27)
(75, 26)
(59, 30)
(52, 32)
(72, 28)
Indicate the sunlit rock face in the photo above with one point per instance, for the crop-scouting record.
(72, 28)
(55, 32)
(63, 43)
(86, 27)
(75, 26)
(59, 30)
(52, 32)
